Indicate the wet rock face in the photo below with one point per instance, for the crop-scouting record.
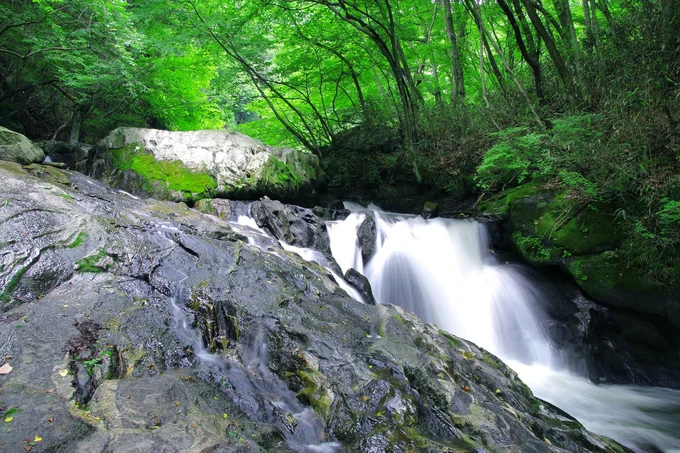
(366, 235)
(292, 224)
(608, 344)
(361, 283)
(152, 276)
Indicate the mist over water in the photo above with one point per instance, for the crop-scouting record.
(443, 271)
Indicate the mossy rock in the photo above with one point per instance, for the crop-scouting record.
(163, 179)
(499, 204)
(15, 147)
(549, 226)
(278, 177)
(580, 229)
(608, 279)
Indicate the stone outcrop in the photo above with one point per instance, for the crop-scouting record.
(138, 325)
(15, 147)
(211, 163)
(549, 229)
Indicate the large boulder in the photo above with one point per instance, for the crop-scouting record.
(137, 325)
(15, 147)
(198, 164)
(292, 224)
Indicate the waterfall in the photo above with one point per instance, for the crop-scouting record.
(443, 271)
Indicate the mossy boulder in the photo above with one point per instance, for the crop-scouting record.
(551, 228)
(201, 164)
(15, 147)
(159, 178)
(607, 279)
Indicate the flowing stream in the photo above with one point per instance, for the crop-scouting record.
(442, 270)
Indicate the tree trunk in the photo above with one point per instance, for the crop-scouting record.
(475, 10)
(457, 81)
(568, 30)
(555, 55)
(529, 57)
(76, 120)
(594, 26)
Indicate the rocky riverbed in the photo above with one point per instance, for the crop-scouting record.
(138, 325)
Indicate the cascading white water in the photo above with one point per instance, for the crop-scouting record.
(439, 270)
(443, 271)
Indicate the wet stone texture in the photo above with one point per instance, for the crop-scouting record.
(95, 284)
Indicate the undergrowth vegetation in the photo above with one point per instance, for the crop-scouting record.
(594, 162)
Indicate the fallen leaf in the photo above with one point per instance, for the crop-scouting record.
(467, 389)
(37, 439)
(51, 419)
(5, 369)
(63, 373)
(8, 419)
(27, 448)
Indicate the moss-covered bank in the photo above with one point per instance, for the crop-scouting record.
(547, 227)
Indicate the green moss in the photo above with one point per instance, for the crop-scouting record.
(453, 342)
(79, 240)
(172, 174)
(604, 272)
(94, 263)
(6, 295)
(489, 360)
(580, 230)
(499, 204)
(276, 177)
(534, 250)
(315, 392)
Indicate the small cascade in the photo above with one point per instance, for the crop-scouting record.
(443, 271)
(252, 386)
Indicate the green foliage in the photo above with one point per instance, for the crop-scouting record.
(270, 131)
(66, 56)
(177, 92)
(511, 160)
(669, 220)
